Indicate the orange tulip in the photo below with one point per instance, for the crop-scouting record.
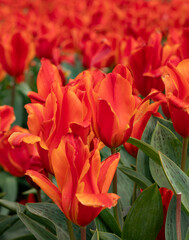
(113, 107)
(177, 92)
(82, 189)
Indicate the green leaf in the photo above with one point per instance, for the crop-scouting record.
(137, 177)
(142, 158)
(108, 236)
(95, 236)
(178, 180)
(8, 205)
(145, 218)
(110, 222)
(187, 235)
(166, 142)
(170, 226)
(38, 230)
(146, 148)
(2, 194)
(7, 223)
(17, 231)
(23, 88)
(8, 184)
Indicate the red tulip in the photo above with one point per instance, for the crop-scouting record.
(16, 54)
(82, 191)
(6, 117)
(176, 83)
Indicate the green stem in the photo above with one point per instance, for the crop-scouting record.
(115, 209)
(134, 192)
(83, 233)
(39, 195)
(13, 93)
(178, 217)
(70, 229)
(184, 153)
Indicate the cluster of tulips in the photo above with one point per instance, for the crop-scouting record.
(117, 123)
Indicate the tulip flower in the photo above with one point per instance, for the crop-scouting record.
(176, 82)
(20, 158)
(82, 191)
(113, 108)
(16, 54)
(141, 119)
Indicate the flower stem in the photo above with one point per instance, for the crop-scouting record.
(184, 153)
(83, 233)
(178, 217)
(70, 229)
(13, 93)
(115, 209)
(39, 195)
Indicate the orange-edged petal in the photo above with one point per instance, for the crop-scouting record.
(48, 73)
(35, 117)
(104, 200)
(47, 186)
(107, 171)
(18, 137)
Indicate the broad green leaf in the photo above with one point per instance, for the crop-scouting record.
(23, 88)
(178, 180)
(110, 222)
(145, 218)
(142, 158)
(8, 184)
(7, 223)
(166, 142)
(108, 236)
(51, 212)
(146, 148)
(187, 235)
(95, 236)
(137, 177)
(8, 205)
(38, 230)
(170, 226)
(2, 194)
(17, 231)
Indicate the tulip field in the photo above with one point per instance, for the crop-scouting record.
(94, 120)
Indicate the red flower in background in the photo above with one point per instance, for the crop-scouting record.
(176, 83)
(82, 189)
(166, 198)
(6, 118)
(16, 52)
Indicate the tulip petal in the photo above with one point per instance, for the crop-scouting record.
(47, 186)
(107, 171)
(104, 200)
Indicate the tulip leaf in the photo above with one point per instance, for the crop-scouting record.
(38, 230)
(111, 223)
(8, 184)
(145, 218)
(95, 235)
(178, 180)
(166, 142)
(51, 212)
(137, 177)
(17, 231)
(7, 223)
(146, 148)
(12, 206)
(170, 226)
(187, 235)
(107, 236)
